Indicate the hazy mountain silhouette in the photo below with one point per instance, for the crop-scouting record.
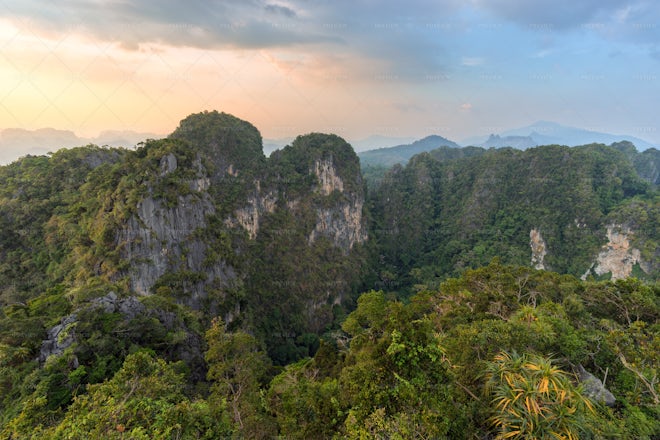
(547, 133)
(401, 153)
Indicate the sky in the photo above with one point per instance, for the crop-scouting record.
(356, 68)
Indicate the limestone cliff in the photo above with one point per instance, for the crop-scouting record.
(328, 179)
(160, 237)
(256, 206)
(539, 249)
(342, 223)
(337, 207)
(618, 256)
(305, 220)
(245, 238)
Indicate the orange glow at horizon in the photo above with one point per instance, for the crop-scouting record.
(80, 84)
(85, 86)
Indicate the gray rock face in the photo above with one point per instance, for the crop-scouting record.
(59, 338)
(161, 239)
(168, 164)
(129, 307)
(328, 177)
(258, 204)
(154, 239)
(594, 388)
(63, 335)
(539, 249)
(342, 223)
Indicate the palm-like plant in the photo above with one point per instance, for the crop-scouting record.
(533, 398)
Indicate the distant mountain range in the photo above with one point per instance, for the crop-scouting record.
(373, 150)
(17, 142)
(377, 141)
(547, 133)
(369, 143)
(402, 153)
(518, 142)
(539, 133)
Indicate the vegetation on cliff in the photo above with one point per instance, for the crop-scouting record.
(193, 288)
(436, 216)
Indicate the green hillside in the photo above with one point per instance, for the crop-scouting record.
(440, 217)
(400, 154)
(194, 288)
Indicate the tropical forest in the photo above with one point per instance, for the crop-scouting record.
(196, 288)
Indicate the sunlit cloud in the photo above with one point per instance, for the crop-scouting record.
(473, 61)
(291, 66)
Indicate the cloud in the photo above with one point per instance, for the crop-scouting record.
(638, 22)
(548, 14)
(407, 107)
(629, 21)
(472, 61)
(195, 23)
(408, 42)
(543, 53)
(282, 10)
(395, 36)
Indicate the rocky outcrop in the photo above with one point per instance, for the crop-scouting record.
(539, 249)
(618, 256)
(63, 335)
(328, 178)
(59, 338)
(154, 238)
(201, 195)
(249, 216)
(168, 164)
(593, 387)
(161, 238)
(343, 224)
(129, 307)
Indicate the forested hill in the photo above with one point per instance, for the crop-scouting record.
(195, 288)
(400, 154)
(646, 163)
(553, 207)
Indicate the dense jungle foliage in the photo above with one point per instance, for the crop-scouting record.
(436, 216)
(435, 327)
(494, 353)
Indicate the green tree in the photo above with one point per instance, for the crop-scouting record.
(305, 404)
(144, 400)
(236, 368)
(396, 381)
